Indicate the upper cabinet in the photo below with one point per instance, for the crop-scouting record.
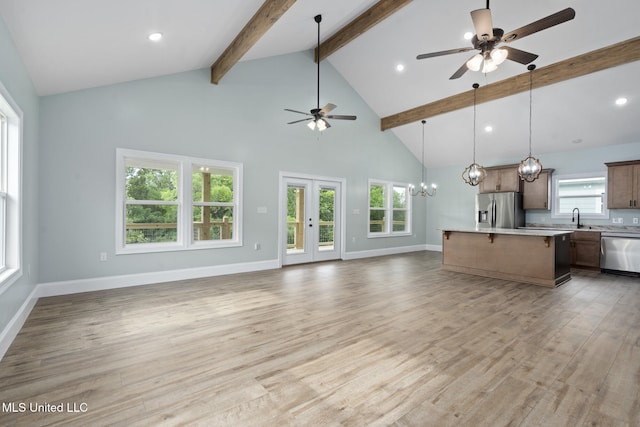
(537, 194)
(501, 179)
(623, 185)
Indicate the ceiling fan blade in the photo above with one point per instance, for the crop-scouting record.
(541, 24)
(518, 55)
(302, 120)
(444, 52)
(482, 23)
(327, 108)
(296, 111)
(339, 117)
(459, 72)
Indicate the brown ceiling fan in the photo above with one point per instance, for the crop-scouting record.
(487, 40)
(319, 115)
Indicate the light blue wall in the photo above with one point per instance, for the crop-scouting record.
(14, 78)
(454, 205)
(240, 120)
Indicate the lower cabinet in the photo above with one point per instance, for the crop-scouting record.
(585, 249)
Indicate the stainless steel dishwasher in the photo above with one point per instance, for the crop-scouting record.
(620, 253)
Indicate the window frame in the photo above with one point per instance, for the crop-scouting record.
(555, 200)
(11, 190)
(184, 166)
(389, 209)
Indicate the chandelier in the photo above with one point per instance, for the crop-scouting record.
(529, 169)
(474, 173)
(424, 189)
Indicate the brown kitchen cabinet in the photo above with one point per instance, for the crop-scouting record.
(501, 179)
(585, 249)
(537, 194)
(623, 185)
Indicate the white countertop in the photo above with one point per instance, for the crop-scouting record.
(514, 231)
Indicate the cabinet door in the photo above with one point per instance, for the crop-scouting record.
(636, 186)
(509, 180)
(491, 182)
(586, 253)
(536, 193)
(620, 187)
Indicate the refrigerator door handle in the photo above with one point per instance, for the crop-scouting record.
(494, 213)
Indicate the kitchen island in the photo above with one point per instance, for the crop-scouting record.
(539, 257)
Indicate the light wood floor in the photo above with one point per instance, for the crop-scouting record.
(381, 341)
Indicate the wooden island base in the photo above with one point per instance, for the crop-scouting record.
(539, 258)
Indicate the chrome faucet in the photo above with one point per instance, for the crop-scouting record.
(573, 217)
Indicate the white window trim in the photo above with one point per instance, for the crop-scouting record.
(13, 179)
(555, 203)
(185, 207)
(389, 209)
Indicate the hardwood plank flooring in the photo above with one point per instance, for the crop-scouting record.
(380, 341)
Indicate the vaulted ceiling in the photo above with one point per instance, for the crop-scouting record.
(68, 45)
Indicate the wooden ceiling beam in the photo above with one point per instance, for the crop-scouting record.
(367, 20)
(578, 66)
(258, 25)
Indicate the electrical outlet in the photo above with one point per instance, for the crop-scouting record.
(256, 246)
(103, 256)
(635, 220)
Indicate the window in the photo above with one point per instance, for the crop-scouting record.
(389, 209)
(168, 202)
(587, 192)
(10, 190)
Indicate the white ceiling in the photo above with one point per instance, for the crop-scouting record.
(68, 45)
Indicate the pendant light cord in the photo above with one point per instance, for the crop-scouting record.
(318, 18)
(475, 88)
(530, 68)
(422, 159)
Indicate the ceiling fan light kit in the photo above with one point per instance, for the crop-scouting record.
(529, 169)
(487, 39)
(424, 189)
(474, 174)
(318, 119)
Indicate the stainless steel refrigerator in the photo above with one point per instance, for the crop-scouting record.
(499, 210)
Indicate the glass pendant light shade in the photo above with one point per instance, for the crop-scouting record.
(489, 66)
(312, 125)
(474, 174)
(529, 169)
(499, 56)
(322, 125)
(475, 62)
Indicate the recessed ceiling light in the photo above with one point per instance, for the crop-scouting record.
(488, 128)
(399, 67)
(154, 37)
(621, 101)
(577, 141)
(468, 35)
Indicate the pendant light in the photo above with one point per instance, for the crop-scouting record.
(474, 173)
(424, 190)
(529, 169)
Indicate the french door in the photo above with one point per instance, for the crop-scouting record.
(311, 220)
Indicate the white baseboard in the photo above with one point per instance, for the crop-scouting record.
(10, 332)
(434, 248)
(114, 282)
(384, 251)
